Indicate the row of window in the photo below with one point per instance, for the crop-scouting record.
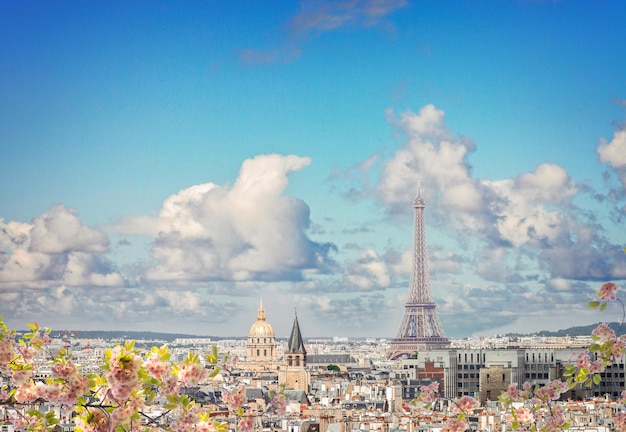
(612, 384)
(544, 366)
(537, 375)
(258, 340)
(475, 375)
(471, 358)
(545, 358)
(470, 367)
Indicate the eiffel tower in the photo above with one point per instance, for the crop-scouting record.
(420, 329)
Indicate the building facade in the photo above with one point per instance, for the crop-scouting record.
(261, 345)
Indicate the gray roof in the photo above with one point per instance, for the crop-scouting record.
(296, 344)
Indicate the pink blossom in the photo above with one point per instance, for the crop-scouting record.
(21, 376)
(246, 423)
(26, 393)
(63, 369)
(155, 367)
(191, 374)
(584, 362)
(121, 415)
(620, 421)
(604, 333)
(607, 291)
(428, 394)
(524, 415)
(454, 425)
(279, 404)
(7, 352)
(466, 404)
(27, 422)
(94, 421)
(206, 426)
(236, 399)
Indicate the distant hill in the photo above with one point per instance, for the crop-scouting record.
(618, 328)
(128, 335)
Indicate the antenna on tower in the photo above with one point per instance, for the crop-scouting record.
(419, 187)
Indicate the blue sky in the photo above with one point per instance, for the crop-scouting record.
(166, 165)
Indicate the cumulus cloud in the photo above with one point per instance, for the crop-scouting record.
(56, 248)
(60, 231)
(614, 154)
(433, 157)
(533, 213)
(249, 231)
(369, 272)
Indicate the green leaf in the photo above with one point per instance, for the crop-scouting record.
(596, 379)
(603, 306)
(593, 304)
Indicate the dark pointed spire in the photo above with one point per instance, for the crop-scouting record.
(296, 344)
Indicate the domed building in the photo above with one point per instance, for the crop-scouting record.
(261, 347)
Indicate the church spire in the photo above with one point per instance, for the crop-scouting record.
(296, 344)
(261, 315)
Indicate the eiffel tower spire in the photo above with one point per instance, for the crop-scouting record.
(420, 329)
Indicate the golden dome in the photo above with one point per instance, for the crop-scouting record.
(261, 328)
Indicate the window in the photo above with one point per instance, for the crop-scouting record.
(258, 353)
(488, 377)
(503, 377)
(264, 353)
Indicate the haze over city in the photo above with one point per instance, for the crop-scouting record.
(166, 165)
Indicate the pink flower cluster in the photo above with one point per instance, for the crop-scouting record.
(191, 374)
(7, 351)
(619, 420)
(27, 422)
(607, 291)
(584, 362)
(556, 421)
(278, 404)
(67, 386)
(465, 404)
(430, 393)
(94, 420)
(236, 399)
(513, 394)
(186, 421)
(524, 416)
(551, 391)
(611, 347)
(123, 375)
(156, 367)
(246, 423)
(454, 425)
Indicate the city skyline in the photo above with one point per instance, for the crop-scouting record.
(165, 166)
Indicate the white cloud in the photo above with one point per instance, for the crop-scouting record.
(57, 248)
(433, 157)
(60, 231)
(522, 215)
(369, 272)
(249, 231)
(614, 153)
